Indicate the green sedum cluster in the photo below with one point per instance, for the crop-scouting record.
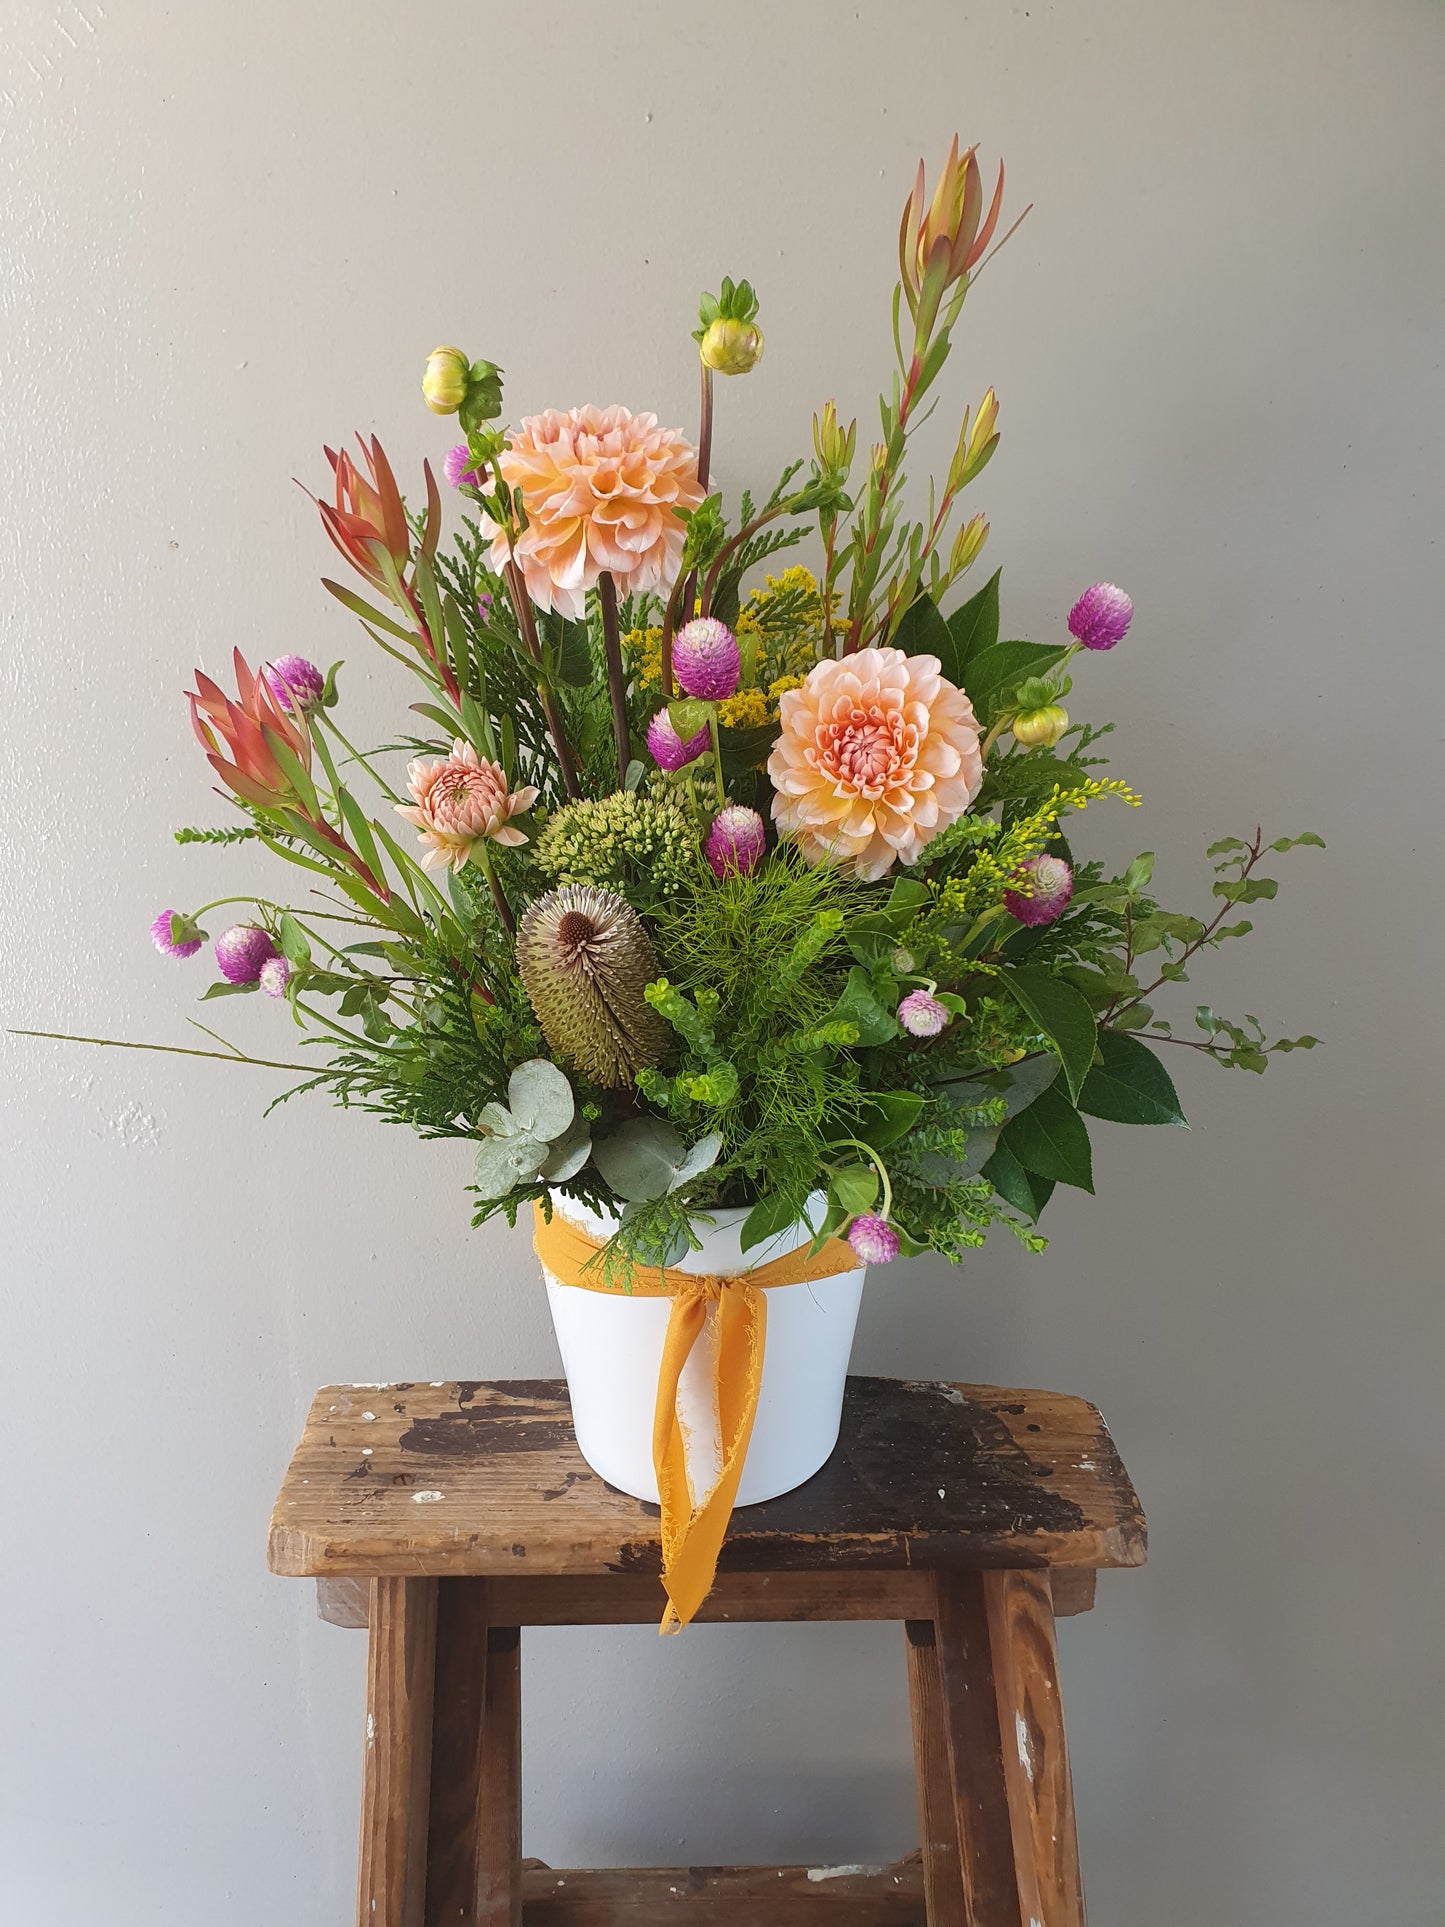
(644, 845)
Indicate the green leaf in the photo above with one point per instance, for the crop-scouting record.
(1061, 1014)
(227, 990)
(973, 627)
(1129, 1085)
(744, 749)
(858, 1005)
(1051, 1140)
(574, 658)
(1309, 839)
(1139, 871)
(855, 1187)
(923, 632)
(1225, 846)
(887, 1115)
(1247, 889)
(294, 947)
(1018, 1086)
(364, 609)
(768, 1217)
(1024, 1190)
(688, 717)
(992, 673)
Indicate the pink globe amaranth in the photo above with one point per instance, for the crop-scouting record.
(241, 952)
(1101, 616)
(1050, 886)
(274, 976)
(736, 841)
(457, 466)
(295, 682)
(921, 1014)
(873, 1239)
(706, 660)
(165, 928)
(668, 749)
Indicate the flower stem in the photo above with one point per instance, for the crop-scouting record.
(716, 755)
(482, 857)
(171, 1050)
(522, 606)
(616, 679)
(878, 1165)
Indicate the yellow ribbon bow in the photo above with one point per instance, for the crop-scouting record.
(693, 1533)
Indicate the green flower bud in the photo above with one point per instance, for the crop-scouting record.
(1040, 728)
(732, 347)
(444, 385)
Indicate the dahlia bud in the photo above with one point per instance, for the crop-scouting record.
(241, 951)
(274, 977)
(668, 749)
(706, 660)
(444, 385)
(175, 935)
(1048, 885)
(736, 842)
(1040, 728)
(921, 1014)
(585, 960)
(874, 1239)
(295, 683)
(1101, 617)
(732, 347)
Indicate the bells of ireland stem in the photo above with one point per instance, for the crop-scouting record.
(585, 961)
(1040, 728)
(444, 385)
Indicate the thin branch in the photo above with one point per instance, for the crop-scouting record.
(616, 678)
(172, 1050)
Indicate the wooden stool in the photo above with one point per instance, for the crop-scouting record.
(447, 1517)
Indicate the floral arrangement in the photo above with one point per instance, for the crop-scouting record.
(701, 889)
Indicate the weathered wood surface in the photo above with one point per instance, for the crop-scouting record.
(396, 1773)
(725, 1897)
(1035, 1755)
(486, 1479)
(737, 1598)
(937, 1819)
(458, 1714)
(975, 1750)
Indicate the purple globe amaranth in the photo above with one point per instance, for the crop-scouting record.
(736, 841)
(176, 935)
(1101, 617)
(668, 749)
(706, 660)
(921, 1014)
(241, 952)
(274, 976)
(295, 682)
(874, 1239)
(457, 466)
(1050, 884)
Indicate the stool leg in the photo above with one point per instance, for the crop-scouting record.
(456, 1753)
(396, 1777)
(1020, 1615)
(499, 1811)
(937, 1820)
(975, 1753)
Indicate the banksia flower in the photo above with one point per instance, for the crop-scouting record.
(706, 660)
(175, 935)
(1049, 884)
(874, 1239)
(736, 841)
(585, 960)
(295, 682)
(242, 952)
(921, 1014)
(668, 749)
(1101, 617)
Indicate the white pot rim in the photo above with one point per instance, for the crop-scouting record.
(722, 1254)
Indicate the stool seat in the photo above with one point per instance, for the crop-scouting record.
(447, 1516)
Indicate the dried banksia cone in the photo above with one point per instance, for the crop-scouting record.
(584, 960)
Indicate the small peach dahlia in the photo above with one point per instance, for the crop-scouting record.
(458, 801)
(877, 754)
(601, 488)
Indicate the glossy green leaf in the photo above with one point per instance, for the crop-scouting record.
(973, 627)
(992, 673)
(923, 632)
(887, 1115)
(1024, 1190)
(1061, 1014)
(768, 1217)
(855, 1187)
(1051, 1140)
(1128, 1085)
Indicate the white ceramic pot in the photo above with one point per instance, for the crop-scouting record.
(611, 1347)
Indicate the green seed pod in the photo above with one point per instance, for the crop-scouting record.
(585, 960)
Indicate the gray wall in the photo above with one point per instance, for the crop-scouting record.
(233, 233)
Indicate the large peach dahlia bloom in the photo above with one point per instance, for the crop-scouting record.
(458, 801)
(878, 753)
(601, 487)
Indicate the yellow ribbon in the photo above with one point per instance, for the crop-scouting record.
(692, 1534)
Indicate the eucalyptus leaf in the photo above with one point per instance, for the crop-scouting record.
(540, 1099)
(502, 1163)
(568, 1154)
